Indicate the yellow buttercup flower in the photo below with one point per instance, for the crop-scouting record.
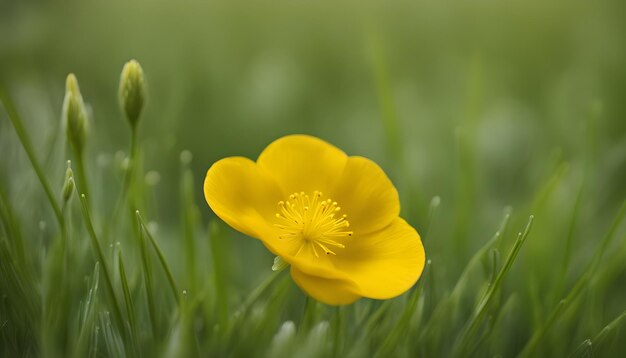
(333, 218)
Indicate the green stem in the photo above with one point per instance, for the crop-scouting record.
(188, 221)
(338, 332)
(147, 273)
(219, 271)
(240, 314)
(28, 147)
(258, 291)
(132, 167)
(82, 183)
(117, 311)
(399, 329)
(126, 185)
(539, 334)
(481, 310)
(568, 243)
(11, 227)
(432, 208)
(308, 316)
(166, 267)
(130, 307)
(375, 317)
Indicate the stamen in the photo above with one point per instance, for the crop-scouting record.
(313, 222)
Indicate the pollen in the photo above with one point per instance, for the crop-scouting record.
(315, 222)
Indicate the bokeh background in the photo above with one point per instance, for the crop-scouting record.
(484, 104)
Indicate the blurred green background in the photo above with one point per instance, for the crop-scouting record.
(495, 92)
(484, 104)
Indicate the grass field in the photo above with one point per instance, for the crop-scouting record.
(501, 124)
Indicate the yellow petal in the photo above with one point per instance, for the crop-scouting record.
(302, 163)
(386, 263)
(330, 291)
(305, 261)
(242, 196)
(367, 196)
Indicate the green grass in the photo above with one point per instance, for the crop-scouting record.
(506, 145)
(55, 302)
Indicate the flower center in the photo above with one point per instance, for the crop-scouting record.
(314, 222)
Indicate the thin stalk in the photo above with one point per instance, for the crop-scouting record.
(241, 313)
(308, 316)
(481, 310)
(188, 220)
(339, 332)
(539, 334)
(258, 291)
(568, 243)
(126, 184)
(147, 274)
(400, 328)
(601, 336)
(28, 147)
(117, 311)
(386, 103)
(13, 230)
(130, 307)
(130, 179)
(164, 265)
(376, 317)
(432, 208)
(86, 312)
(220, 287)
(82, 183)
(451, 302)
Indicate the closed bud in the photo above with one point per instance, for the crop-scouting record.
(74, 114)
(68, 184)
(68, 189)
(132, 91)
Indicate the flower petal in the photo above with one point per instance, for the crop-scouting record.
(242, 196)
(302, 163)
(329, 291)
(321, 266)
(386, 263)
(367, 196)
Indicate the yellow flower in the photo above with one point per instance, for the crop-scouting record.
(333, 218)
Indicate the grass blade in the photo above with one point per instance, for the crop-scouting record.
(147, 276)
(161, 257)
(479, 314)
(117, 311)
(539, 334)
(130, 307)
(16, 120)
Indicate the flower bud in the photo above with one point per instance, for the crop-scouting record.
(132, 91)
(68, 184)
(74, 114)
